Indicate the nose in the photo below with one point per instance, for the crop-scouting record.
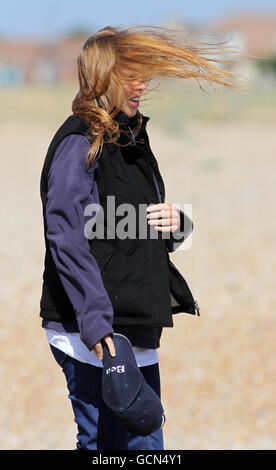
(140, 86)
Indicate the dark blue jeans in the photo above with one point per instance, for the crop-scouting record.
(97, 427)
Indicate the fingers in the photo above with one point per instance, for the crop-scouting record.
(161, 205)
(171, 228)
(98, 349)
(165, 217)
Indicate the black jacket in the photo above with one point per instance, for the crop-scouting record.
(144, 286)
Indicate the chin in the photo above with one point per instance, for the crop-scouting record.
(130, 112)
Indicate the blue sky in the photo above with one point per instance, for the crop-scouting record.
(53, 18)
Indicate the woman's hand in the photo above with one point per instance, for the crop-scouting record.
(164, 216)
(98, 349)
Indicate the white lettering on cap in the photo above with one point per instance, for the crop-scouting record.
(119, 369)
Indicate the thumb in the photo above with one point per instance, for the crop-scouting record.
(111, 347)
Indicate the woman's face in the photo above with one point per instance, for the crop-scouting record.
(132, 91)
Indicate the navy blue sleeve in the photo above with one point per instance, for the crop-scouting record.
(70, 189)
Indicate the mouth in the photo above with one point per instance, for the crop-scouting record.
(135, 101)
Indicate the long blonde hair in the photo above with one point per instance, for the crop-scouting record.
(112, 57)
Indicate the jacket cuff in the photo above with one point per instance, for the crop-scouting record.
(185, 229)
(91, 339)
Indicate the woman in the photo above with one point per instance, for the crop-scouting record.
(97, 280)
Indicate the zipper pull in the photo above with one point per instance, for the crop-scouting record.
(132, 135)
(197, 308)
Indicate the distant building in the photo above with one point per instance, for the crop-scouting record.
(248, 33)
(23, 62)
(254, 33)
(245, 33)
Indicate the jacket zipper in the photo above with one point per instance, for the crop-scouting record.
(150, 167)
(197, 308)
(133, 138)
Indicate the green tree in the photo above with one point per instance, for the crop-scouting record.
(267, 65)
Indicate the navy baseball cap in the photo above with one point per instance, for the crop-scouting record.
(134, 403)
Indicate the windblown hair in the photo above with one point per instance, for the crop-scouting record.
(112, 57)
